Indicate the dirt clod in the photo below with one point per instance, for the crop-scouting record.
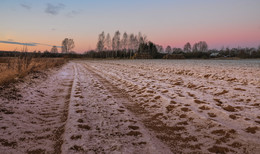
(84, 127)
(218, 149)
(134, 133)
(252, 129)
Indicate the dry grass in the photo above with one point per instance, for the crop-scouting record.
(12, 68)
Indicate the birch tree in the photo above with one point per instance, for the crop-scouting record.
(108, 42)
(67, 45)
(101, 42)
(168, 49)
(187, 47)
(124, 42)
(54, 49)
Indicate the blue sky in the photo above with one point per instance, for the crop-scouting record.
(167, 22)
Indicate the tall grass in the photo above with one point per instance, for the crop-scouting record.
(12, 68)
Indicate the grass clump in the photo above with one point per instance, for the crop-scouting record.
(13, 68)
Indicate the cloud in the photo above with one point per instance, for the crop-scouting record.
(54, 9)
(49, 45)
(27, 44)
(19, 43)
(26, 6)
(73, 13)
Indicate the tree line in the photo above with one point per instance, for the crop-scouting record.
(117, 46)
(116, 43)
(138, 46)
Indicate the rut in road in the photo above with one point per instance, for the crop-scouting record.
(159, 130)
(35, 116)
(99, 122)
(71, 110)
(59, 133)
(99, 107)
(187, 109)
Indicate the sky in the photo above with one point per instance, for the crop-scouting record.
(40, 24)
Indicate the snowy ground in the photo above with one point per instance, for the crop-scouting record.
(134, 106)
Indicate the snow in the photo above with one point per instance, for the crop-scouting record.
(134, 106)
(35, 112)
(208, 93)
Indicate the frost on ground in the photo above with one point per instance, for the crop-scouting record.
(134, 106)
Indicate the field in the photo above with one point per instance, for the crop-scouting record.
(13, 68)
(134, 106)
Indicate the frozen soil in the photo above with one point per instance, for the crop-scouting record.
(134, 106)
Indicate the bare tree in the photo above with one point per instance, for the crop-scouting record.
(131, 41)
(141, 38)
(124, 44)
(168, 49)
(101, 42)
(136, 43)
(108, 42)
(159, 48)
(195, 47)
(132, 44)
(54, 49)
(201, 46)
(116, 42)
(113, 44)
(187, 47)
(67, 45)
(176, 50)
(127, 43)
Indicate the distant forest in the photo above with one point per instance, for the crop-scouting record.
(131, 46)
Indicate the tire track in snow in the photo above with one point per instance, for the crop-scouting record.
(61, 130)
(121, 78)
(167, 134)
(159, 147)
(34, 123)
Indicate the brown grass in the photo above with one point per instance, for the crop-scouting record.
(17, 67)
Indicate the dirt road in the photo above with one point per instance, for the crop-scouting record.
(114, 107)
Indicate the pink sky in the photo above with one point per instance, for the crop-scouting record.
(220, 23)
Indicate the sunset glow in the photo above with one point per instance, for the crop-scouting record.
(220, 23)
